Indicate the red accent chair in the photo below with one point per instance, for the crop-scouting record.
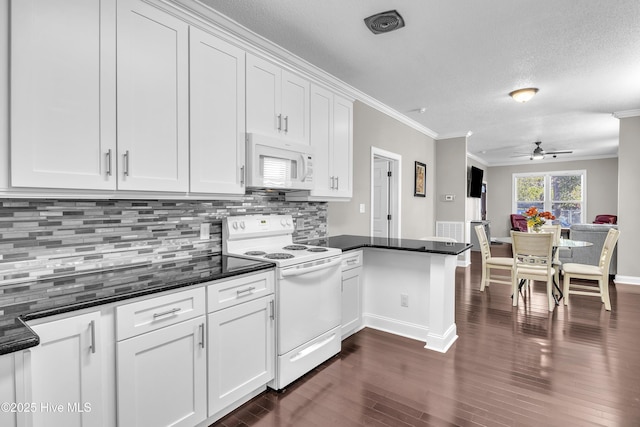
(606, 219)
(518, 222)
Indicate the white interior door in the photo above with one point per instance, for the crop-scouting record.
(381, 197)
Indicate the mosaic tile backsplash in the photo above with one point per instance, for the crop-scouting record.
(43, 237)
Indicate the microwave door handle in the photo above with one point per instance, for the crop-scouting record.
(305, 167)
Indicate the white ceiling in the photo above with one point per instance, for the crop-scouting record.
(459, 59)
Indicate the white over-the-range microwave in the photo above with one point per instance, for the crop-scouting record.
(273, 163)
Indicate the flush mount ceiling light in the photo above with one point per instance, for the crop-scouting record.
(523, 95)
(384, 22)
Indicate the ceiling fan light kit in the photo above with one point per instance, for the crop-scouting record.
(523, 95)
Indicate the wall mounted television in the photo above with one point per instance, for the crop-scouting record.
(474, 184)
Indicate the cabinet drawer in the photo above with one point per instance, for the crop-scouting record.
(351, 260)
(148, 315)
(227, 293)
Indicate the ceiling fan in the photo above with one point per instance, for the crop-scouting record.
(539, 153)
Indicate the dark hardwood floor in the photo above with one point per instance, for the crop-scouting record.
(524, 366)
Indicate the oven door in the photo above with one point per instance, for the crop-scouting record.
(309, 301)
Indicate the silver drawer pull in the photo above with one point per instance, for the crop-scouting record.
(92, 328)
(245, 290)
(352, 261)
(165, 313)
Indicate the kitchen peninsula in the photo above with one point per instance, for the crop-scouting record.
(408, 286)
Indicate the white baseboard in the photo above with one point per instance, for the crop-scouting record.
(397, 327)
(627, 280)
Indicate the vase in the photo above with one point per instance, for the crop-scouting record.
(534, 228)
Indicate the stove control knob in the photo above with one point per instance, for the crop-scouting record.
(283, 222)
(288, 221)
(234, 224)
(242, 225)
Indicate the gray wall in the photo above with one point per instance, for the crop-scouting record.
(451, 159)
(372, 128)
(602, 185)
(629, 203)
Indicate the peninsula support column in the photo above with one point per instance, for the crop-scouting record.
(442, 303)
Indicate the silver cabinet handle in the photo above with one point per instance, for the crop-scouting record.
(337, 182)
(273, 310)
(242, 175)
(201, 327)
(333, 182)
(92, 328)
(165, 313)
(126, 163)
(109, 162)
(279, 122)
(286, 124)
(245, 290)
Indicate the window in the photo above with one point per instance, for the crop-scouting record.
(561, 193)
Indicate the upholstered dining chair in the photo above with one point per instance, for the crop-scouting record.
(490, 262)
(532, 260)
(556, 229)
(599, 272)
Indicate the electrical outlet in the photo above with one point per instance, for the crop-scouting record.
(361, 207)
(205, 231)
(404, 300)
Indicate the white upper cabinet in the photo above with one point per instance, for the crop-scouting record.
(153, 99)
(217, 88)
(332, 139)
(277, 101)
(341, 159)
(63, 94)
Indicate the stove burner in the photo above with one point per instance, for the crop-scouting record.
(255, 253)
(294, 248)
(278, 255)
(317, 249)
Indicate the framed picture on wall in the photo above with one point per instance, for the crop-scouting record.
(420, 180)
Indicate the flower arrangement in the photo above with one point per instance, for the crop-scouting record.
(535, 219)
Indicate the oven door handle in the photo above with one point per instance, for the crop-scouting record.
(304, 270)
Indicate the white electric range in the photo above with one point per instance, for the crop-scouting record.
(308, 290)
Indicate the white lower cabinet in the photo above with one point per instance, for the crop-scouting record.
(62, 375)
(162, 376)
(351, 293)
(161, 360)
(241, 352)
(241, 340)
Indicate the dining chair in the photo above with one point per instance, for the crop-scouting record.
(598, 272)
(490, 262)
(532, 260)
(556, 229)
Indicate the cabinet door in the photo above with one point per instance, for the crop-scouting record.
(7, 389)
(162, 376)
(321, 134)
(153, 99)
(342, 154)
(263, 97)
(217, 82)
(295, 107)
(351, 301)
(63, 93)
(241, 351)
(64, 378)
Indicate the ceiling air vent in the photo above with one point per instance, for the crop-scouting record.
(384, 22)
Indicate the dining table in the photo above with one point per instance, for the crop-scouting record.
(561, 243)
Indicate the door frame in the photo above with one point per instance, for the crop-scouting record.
(395, 190)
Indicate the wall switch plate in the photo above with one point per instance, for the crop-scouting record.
(205, 231)
(362, 208)
(404, 300)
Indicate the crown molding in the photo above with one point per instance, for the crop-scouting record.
(256, 44)
(625, 114)
(466, 134)
(477, 159)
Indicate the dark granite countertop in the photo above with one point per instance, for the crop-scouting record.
(63, 294)
(348, 242)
